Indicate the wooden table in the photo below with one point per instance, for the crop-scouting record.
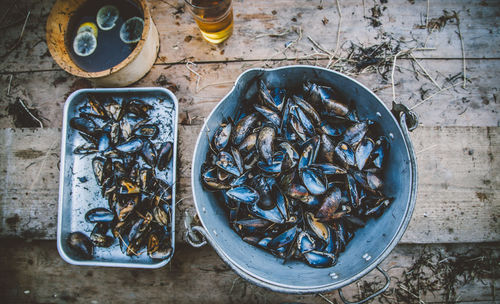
(454, 232)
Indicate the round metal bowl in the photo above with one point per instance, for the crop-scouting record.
(371, 243)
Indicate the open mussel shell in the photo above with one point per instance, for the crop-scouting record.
(308, 109)
(272, 215)
(211, 180)
(243, 194)
(269, 114)
(243, 128)
(314, 181)
(99, 215)
(131, 146)
(363, 152)
(331, 203)
(329, 169)
(345, 153)
(99, 236)
(147, 130)
(81, 245)
(265, 142)
(164, 155)
(275, 102)
(222, 136)
(84, 125)
(225, 161)
(320, 229)
(283, 239)
(148, 153)
(355, 133)
(320, 259)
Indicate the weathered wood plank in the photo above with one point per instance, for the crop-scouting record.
(458, 196)
(477, 105)
(254, 23)
(34, 272)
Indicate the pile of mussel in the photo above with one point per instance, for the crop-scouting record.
(298, 172)
(126, 163)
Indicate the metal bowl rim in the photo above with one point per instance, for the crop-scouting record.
(274, 286)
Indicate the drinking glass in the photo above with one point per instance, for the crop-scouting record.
(214, 18)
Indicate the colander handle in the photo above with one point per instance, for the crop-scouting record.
(195, 235)
(410, 120)
(378, 292)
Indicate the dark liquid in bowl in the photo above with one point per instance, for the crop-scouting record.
(111, 50)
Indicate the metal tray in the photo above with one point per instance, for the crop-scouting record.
(78, 189)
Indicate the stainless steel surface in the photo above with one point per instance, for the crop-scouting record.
(371, 243)
(77, 196)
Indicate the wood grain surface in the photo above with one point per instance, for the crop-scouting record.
(457, 143)
(33, 272)
(457, 200)
(263, 29)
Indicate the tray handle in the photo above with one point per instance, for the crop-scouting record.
(378, 292)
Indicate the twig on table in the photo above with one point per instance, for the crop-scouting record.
(232, 285)
(288, 45)
(42, 165)
(299, 32)
(427, 16)
(338, 28)
(392, 75)
(411, 293)
(29, 112)
(463, 48)
(323, 50)
(381, 88)
(426, 149)
(14, 46)
(425, 71)
(286, 32)
(429, 97)
(325, 298)
(198, 76)
(10, 82)
(394, 66)
(180, 200)
(214, 84)
(319, 47)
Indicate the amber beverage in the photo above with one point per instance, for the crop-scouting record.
(214, 18)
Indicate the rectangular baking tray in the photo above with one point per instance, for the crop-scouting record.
(78, 189)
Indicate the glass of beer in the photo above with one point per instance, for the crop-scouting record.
(214, 18)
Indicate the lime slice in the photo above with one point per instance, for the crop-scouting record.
(88, 27)
(84, 44)
(131, 30)
(107, 16)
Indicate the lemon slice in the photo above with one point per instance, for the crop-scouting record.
(84, 44)
(131, 30)
(88, 27)
(107, 16)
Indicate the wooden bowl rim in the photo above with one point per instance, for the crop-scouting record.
(54, 31)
